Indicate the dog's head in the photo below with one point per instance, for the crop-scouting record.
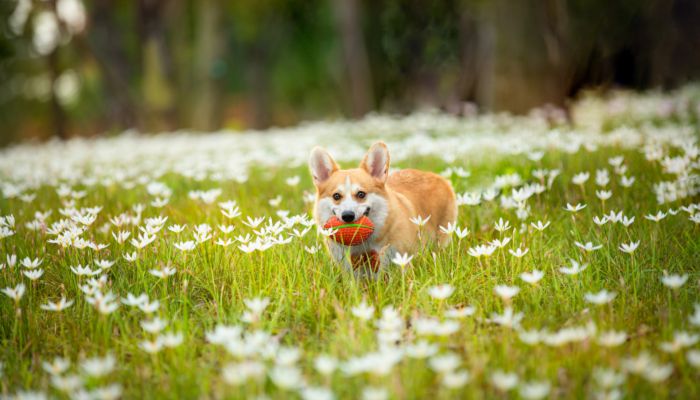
(351, 193)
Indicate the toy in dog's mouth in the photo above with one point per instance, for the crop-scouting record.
(350, 234)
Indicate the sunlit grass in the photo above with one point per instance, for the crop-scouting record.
(311, 298)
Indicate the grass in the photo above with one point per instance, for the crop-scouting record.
(311, 299)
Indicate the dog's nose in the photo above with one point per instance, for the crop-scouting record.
(348, 216)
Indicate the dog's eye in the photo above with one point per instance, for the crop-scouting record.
(336, 196)
(361, 194)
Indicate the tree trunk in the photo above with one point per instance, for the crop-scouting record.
(57, 112)
(259, 83)
(205, 112)
(106, 43)
(527, 55)
(354, 53)
(157, 88)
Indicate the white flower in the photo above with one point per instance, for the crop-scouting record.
(82, 271)
(695, 218)
(253, 222)
(33, 274)
(275, 202)
(681, 340)
(502, 226)
(656, 373)
(223, 334)
(56, 367)
(504, 381)
(603, 194)
(239, 373)
(626, 221)
(460, 312)
(600, 221)
(580, 178)
(508, 319)
(449, 229)
(31, 263)
(578, 207)
(154, 325)
(223, 243)
(674, 281)
(293, 180)
(506, 292)
(325, 364)
(693, 357)
(59, 306)
(540, 226)
(602, 177)
(441, 292)
(627, 181)
(532, 277)
(461, 233)
(163, 273)
(616, 161)
(421, 349)
(602, 297)
(402, 259)
(312, 249)
(257, 304)
(175, 228)
(575, 268)
(185, 246)
(171, 339)
(132, 300)
(97, 367)
(104, 264)
(316, 393)
(444, 363)
(287, 355)
(286, 377)
(419, 220)
(481, 250)
(531, 337)
(455, 379)
(608, 378)
(629, 248)
(656, 217)
(519, 252)
(374, 393)
(15, 293)
(589, 247)
(151, 346)
(534, 390)
(363, 311)
(499, 243)
(612, 338)
(614, 217)
(695, 317)
(67, 383)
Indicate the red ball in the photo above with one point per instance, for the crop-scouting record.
(350, 234)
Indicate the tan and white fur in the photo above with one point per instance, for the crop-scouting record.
(389, 200)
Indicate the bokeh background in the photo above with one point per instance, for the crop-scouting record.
(82, 68)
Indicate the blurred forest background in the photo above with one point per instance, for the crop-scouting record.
(72, 67)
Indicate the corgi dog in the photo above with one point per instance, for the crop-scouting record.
(389, 200)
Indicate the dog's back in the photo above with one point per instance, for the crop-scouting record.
(429, 193)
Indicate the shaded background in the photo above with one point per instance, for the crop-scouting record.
(70, 68)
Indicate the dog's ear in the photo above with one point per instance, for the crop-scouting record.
(376, 161)
(322, 165)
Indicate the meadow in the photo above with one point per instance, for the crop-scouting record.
(188, 265)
